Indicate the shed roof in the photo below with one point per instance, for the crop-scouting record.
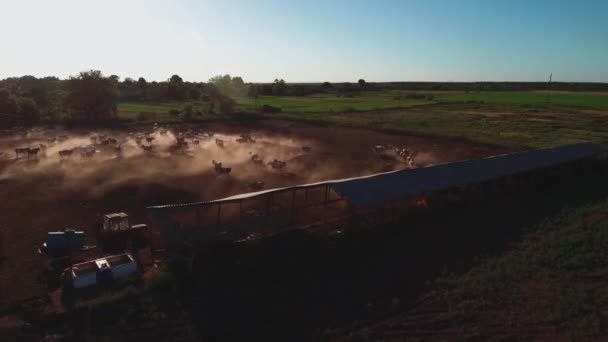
(116, 215)
(405, 183)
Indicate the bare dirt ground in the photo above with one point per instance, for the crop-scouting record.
(51, 193)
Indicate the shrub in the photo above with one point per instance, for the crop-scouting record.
(270, 109)
(145, 116)
(174, 112)
(187, 112)
(415, 96)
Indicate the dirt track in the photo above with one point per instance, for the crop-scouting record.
(52, 194)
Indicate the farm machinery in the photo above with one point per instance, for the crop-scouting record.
(116, 225)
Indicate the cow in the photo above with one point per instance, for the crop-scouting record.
(33, 152)
(255, 158)
(21, 150)
(87, 153)
(256, 186)
(65, 153)
(245, 138)
(277, 164)
(221, 169)
(219, 142)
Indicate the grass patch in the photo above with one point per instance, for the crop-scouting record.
(550, 278)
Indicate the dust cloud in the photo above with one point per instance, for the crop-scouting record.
(94, 168)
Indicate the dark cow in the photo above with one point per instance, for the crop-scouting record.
(65, 153)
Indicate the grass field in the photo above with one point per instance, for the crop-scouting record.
(514, 119)
(331, 103)
(532, 98)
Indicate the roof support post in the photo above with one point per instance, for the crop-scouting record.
(293, 206)
(219, 211)
(240, 209)
(198, 218)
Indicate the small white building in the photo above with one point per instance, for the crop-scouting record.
(108, 268)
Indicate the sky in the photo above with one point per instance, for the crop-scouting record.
(308, 41)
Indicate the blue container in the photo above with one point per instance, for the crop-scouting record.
(63, 240)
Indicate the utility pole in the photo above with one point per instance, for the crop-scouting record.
(549, 88)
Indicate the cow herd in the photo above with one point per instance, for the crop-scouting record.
(29, 152)
(390, 152)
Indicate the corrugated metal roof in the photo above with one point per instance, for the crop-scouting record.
(398, 185)
(394, 185)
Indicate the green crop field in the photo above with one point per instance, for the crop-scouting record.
(514, 119)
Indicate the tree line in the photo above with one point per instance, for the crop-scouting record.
(92, 96)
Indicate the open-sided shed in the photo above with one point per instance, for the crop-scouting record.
(336, 202)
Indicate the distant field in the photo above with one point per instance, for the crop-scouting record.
(514, 119)
(395, 99)
(595, 100)
(331, 103)
(129, 110)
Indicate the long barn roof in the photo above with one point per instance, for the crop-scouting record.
(383, 187)
(398, 185)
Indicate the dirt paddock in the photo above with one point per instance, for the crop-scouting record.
(47, 192)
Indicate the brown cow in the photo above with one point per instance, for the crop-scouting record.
(33, 152)
(21, 150)
(65, 153)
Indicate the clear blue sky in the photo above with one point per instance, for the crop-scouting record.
(308, 41)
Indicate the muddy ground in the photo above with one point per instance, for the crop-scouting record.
(52, 193)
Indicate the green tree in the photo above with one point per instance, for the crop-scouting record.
(176, 79)
(279, 87)
(223, 83)
(143, 87)
(8, 105)
(176, 90)
(216, 97)
(362, 83)
(28, 110)
(194, 93)
(91, 96)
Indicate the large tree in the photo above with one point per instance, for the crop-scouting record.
(176, 79)
(8, 104)
(91, 96)
(143, 87)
